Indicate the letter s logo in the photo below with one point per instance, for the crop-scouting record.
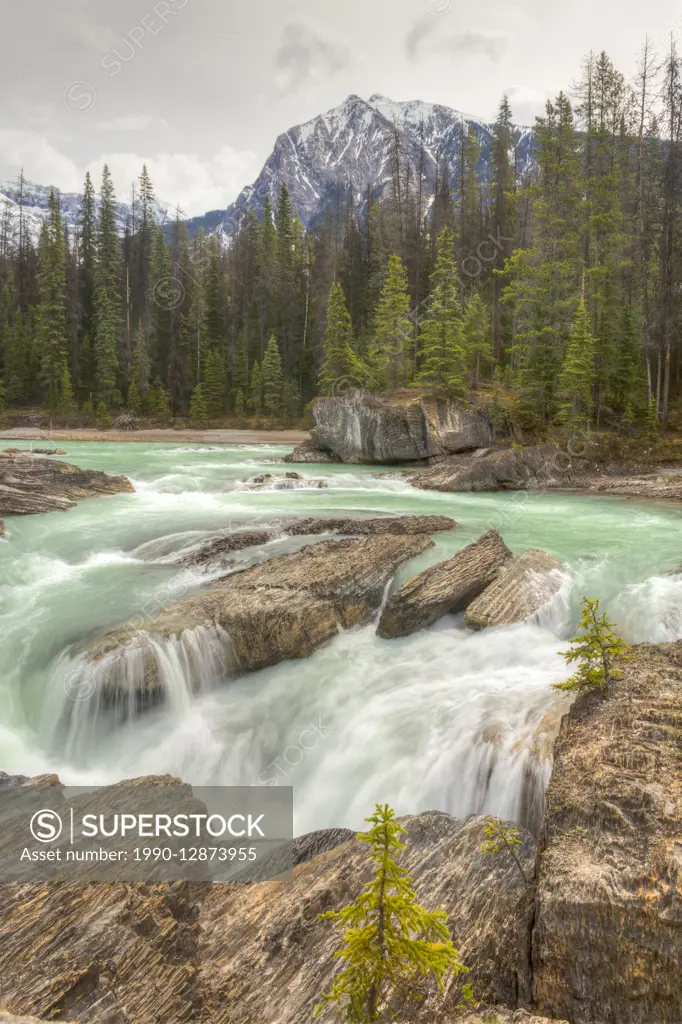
(46, 826)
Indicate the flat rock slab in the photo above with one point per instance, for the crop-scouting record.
(524, 585)
(281, 609)
(513, 469)
(375, 526)
(445, 588)
(607, 940)
(30, 485)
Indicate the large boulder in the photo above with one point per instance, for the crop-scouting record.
(522, 587)
(444, 588)
(307, 452)
(29, 485)
(607, 940)
(281, 482)
(397, 426)
(513, 469)
(281, 609)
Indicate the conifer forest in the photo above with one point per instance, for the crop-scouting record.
(555, 298)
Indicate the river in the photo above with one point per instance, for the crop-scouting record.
(445, 719)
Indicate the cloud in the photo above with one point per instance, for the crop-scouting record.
(526, 104)
(128, 123)
(424, 39)
(304, 55)
(195, 184)
(42, 162)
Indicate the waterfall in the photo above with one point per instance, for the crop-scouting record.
(87, 696)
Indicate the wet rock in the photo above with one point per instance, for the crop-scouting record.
(523, 585)
(397, 426)
(29, 485)
(509, 470)
(48, 451)
(285, 482)
(308, 452)
(444, 588)
(281, 609)
(213, 551)
(11, 781)
(607, 941)
(375, 526)
(2, 528)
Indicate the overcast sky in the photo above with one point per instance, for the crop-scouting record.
(199, 89)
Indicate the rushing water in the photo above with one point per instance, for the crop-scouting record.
(445, 719)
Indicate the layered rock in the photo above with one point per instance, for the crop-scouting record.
(445, 588)
(397, 426)
(29, 485)
(607, 941)
(281, 609)
(373, 526)
(513, 469)
(522, 587)
(258, 953)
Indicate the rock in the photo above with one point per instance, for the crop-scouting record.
(502, 1015)
(10, 1018)
(258, 954)
(397, 426)
(213, 551)
(375, 526)
(287, 482)
(29, 485)
(281, 609)
(522, 587)
(509, 470)
(607, 941)
(444, 588)
(11, 781)
(308, 452)
(48, 451)
(2, 528)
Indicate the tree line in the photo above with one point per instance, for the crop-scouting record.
(557, 297)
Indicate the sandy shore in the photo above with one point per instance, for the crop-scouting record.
(48, 437)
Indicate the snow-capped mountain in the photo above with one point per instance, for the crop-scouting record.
(352, 146)
(35, 209)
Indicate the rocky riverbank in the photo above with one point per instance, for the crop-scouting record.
(30, 484)
(592, 935)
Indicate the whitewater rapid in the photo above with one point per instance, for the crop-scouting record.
(446, 719)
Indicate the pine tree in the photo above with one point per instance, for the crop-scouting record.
(66, 399)
(575, 382)
(340, 361)
(390, 942)
(597, 650)
(256, 390)
(273, 379)
(443, 359)
(476, 336)
(390, 349)
(106, 334)
(198, 409)
(51, 337)
(214, 384)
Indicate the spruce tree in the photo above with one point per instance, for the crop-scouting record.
(390, 349)
(443, 358)
(391, 944)
(339, 360)
(198, 410)
(575, 382)
(106, 334)
(214, 386)
(273, 379)
(256, 390)
(51, 337)
(476, 336)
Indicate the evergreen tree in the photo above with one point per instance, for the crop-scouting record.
(390, 350)
(575, 382)
(597, 650)
(476, 336)
(214, 384)
(340, 361)
(443, 357)
(198, 409)
(51, 338)
(273, 379)
(390, 942)
(106, 335)
(256, 390)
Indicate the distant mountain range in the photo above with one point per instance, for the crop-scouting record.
(35, 205)
(349, 146)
